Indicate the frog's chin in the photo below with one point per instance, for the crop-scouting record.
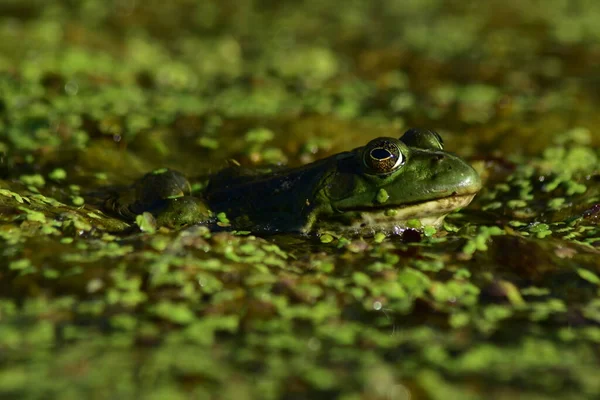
(394, 220)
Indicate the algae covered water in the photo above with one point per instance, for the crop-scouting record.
(502, 301)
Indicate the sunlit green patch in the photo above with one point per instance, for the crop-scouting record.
(58, 174)
(33, 180)
(479, 242)
(382, 196)
(146, 222)
(540, 230)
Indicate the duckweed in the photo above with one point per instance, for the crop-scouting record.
(95, 95)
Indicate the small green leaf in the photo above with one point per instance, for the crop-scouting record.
(382, 196)
(588, 276)
(326, 238)
(146, 222)
(58, 174)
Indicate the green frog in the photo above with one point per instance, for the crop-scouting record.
(378, 187)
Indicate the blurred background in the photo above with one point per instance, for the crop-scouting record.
(189, 84)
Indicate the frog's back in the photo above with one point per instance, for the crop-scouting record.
(234, 176)
(273, 201)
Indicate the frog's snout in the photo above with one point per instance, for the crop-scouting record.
(451, 172)
(471, 180)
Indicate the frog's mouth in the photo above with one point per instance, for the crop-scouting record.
(394, 219)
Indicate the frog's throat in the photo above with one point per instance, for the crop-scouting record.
(395, 219)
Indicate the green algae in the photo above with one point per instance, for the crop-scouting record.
(502, 302)
(382, 196)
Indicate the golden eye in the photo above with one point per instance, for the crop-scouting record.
(382, 156)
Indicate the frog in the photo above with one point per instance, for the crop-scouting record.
(383, 186)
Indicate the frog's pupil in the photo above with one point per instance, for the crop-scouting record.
(380, 154)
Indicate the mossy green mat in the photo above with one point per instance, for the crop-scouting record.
(502, 302)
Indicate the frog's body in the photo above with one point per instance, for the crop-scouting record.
(378, 187)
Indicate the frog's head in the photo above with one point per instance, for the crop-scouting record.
(390, 181)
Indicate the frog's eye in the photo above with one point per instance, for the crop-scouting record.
(382, 156)
(423, 139)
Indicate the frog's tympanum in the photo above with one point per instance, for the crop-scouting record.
(379, 187)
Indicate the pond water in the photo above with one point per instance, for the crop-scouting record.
(501, 301)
